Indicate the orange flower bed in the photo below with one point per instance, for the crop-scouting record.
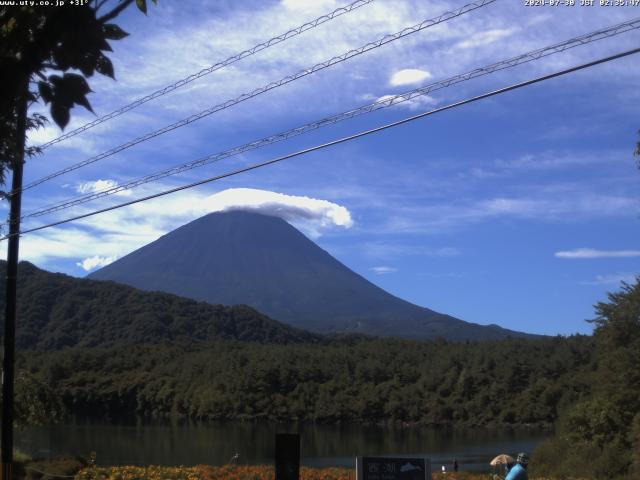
(207, 472)
(239, 472)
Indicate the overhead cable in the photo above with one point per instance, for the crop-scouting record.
(288, 79)
(206, 71)
(371, 107)
(336, 142)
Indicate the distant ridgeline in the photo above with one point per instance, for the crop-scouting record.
(110, 349)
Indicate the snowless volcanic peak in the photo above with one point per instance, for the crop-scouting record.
(241, 257)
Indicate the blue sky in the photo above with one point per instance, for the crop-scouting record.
(520, 210)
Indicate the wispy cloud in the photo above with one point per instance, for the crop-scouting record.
(582, 253)
(486, 37)
(392, 250)
(80, 144)
(95, 186)
(438, 217)
(383, 270)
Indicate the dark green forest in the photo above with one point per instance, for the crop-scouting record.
(510, 382)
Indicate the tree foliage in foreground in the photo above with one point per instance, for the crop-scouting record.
(47, 54)
(600, 436)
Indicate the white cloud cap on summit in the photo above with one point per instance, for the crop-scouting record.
(408, 76)
(319, 213)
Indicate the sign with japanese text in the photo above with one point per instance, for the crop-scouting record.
(386, 468)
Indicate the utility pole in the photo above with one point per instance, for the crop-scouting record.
(8, 364)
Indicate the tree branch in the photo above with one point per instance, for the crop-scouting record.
(115, 12)
(99, 4)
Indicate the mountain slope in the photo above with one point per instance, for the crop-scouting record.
(246, 258)
(56, 311)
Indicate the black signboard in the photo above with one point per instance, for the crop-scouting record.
(287, 456)
(385, 468)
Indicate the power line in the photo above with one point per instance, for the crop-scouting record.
(387, 102)
(217, 66)
(288, 79)
(336, 142)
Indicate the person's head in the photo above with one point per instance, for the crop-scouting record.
(523, 459)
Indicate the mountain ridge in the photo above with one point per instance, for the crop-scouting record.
(56, 311)
(262, 261)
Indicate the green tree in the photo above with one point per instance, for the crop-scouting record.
(37, 403)
(600, 437)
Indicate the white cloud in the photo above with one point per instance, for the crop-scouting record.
(486, 37)
(383, 270)
(320, 213)
(97, 186)
(94, 262)
(408, 76)
(611, 279)
(593, 253)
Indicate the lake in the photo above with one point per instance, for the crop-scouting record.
(189, 443)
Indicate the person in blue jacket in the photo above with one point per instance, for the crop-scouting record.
(519, 470)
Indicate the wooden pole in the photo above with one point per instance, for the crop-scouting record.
(8, 364)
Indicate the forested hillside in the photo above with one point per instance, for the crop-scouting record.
(58, 311)
(511, 382)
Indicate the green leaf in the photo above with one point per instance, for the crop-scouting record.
(76, 83)
(75, 89)
(87, 65)
(142, 5)
(85, 103)
(60, 114)
(46, 92)
(104, 66)
(104, 45)
(113, 32)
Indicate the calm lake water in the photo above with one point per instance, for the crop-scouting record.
(188, 443)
